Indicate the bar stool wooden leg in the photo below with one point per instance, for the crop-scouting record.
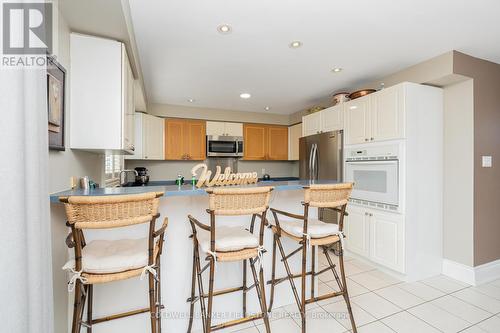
(158, 295)
(313, 269)
(346, 295)
(75, 327)
(152, 305)
(244, 288)
(201, 292)
(193, 286)
(303, 284)
(210, 295)
(90, 296)
(273, 275)
(259, 288)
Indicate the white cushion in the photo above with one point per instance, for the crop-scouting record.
(228, 239)
(113, 256)
(315, 228)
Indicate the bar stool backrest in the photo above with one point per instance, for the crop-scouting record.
(113, 211)
(239, 201)
(328, 195)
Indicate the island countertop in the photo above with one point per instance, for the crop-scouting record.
(184, 190)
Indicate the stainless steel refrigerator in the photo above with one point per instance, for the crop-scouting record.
(321, 158)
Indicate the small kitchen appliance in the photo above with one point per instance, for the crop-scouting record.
(142, 177)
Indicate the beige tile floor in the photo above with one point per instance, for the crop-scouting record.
(383, 304)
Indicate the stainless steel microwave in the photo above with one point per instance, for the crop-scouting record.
(224, 146)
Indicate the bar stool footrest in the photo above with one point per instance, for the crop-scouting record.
(237, 322)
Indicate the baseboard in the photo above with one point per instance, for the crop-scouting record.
(459, 271)
(488, 272)
(472, 275)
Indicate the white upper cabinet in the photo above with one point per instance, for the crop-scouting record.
(387, 112)
(224, 129)
(311, 124)
(149, 133)
(377, 117)
(102, 96)
(330, 119)
(357, 120)
(154, 138)
(294, 133)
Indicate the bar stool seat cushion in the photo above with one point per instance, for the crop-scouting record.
(228, 239)
(315, 228)
(112, 256)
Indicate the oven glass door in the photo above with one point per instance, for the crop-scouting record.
(221, 148)
(375, 181)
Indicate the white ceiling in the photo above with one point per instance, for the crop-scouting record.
(183, 56)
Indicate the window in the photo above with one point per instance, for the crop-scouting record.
(113, 164)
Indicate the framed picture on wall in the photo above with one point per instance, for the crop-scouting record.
(56, 77)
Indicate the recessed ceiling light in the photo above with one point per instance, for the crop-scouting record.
(224, 29)
(191, 100)
(295, 44)
(245, 95)
(267, 108)
(337, 69)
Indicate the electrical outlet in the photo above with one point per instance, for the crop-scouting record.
(263, 171)
(487, 162)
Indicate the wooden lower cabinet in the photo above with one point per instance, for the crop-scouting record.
(185, 139)
(265, 142)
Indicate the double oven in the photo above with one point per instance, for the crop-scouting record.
(375, 171)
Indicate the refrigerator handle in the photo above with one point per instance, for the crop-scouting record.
(313, 162)
(316, 163)
(311, 153)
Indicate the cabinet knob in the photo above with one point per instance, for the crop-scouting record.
(371, 139)
(366, 139)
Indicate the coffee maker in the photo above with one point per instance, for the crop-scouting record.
(142, 177)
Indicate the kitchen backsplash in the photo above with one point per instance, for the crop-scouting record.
(168, 170)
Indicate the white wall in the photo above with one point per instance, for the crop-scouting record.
(458, 208)
(64, 164)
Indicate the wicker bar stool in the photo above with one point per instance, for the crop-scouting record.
(229, 244)
(102, 261)
(310, 234)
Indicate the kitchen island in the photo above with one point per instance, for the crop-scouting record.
(176, 204)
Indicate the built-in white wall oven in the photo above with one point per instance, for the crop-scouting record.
(224, 146)
(375, 172)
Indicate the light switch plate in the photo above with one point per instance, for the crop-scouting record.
(487, 162)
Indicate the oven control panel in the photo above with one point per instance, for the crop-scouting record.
(382, 152)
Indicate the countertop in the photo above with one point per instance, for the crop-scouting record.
(184, 190)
